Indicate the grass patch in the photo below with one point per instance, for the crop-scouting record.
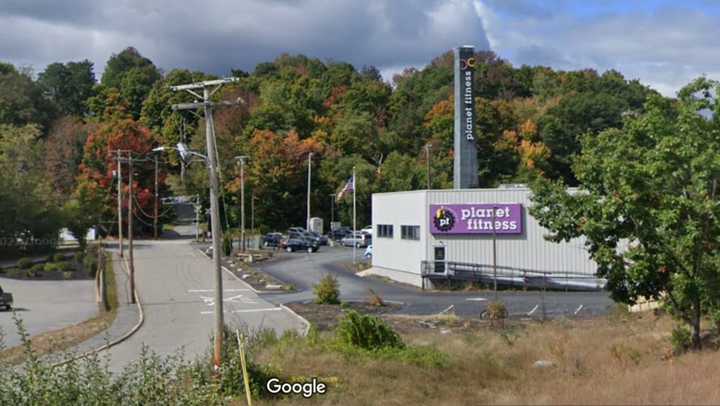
(65, 338)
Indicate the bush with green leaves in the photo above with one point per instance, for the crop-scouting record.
(327, 291)
(90, 262)
(24, 263)
(367, 332)
(37, 268)
(52, 267)
(680, 339)
(496, 312)
(227, 245)
(58, 258)
(149, 380)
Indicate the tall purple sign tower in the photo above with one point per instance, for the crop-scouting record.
(465, 173)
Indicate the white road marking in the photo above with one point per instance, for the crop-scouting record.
(476, 299)
(210, 301)
(267, 309)
(578, 309)
(213, 290)
(447, 310)
(533, 310)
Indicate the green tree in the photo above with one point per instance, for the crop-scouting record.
(69, 85)
(133, 75)
(31, 220)
(22, 101)
(648, 205)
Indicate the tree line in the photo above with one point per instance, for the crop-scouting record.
(530, 121)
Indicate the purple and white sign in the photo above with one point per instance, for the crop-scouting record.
(486, 218)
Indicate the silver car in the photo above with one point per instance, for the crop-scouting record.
(358, 239)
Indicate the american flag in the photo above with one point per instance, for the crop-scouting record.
(349, 187)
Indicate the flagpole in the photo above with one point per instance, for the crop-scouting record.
(354, 217)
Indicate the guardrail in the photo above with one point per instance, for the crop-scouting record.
(509, 276)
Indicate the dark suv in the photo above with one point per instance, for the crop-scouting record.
(272, 239)
(298, 243)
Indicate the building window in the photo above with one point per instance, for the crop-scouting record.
(410, 232)
(385, 230)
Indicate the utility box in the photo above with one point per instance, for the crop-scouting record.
(316, 225)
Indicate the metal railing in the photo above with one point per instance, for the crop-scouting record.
(506, 276)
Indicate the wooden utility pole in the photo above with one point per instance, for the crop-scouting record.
(157, 196)
(207, 105)
(119, 193)
(131, 258)
(427, 158)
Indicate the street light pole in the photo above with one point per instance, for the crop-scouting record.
(207, 106)
(242, 200)
(332, 209)
(307, 222)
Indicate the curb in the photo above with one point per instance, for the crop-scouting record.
(301, 318)
(117, 341)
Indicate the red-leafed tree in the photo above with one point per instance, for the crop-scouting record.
(97, 187)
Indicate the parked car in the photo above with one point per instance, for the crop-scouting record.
(323, 240)
(272, 239)
(340, 233)
(367, 230)
(368, 251)
(300, 244)
(358, 239)
(6, 299)
(295, 230)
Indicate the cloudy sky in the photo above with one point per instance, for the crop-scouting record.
(663, 43)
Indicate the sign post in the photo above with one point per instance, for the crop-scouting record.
(466, 166)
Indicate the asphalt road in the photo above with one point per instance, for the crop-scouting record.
(46, 305)
(176, 283)
(304, 270)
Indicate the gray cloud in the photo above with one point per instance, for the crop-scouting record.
(665, 47)
(218, 35)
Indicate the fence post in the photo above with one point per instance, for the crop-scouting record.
(98, 289)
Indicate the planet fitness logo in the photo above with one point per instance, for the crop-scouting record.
(444, 219)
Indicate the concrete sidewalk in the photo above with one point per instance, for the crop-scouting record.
(126, 318)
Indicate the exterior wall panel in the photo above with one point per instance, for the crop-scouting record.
(401, 259)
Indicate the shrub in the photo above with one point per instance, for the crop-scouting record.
(327, 291)
(715, 319)
(680, 339)
(227, 245)
(367, 332)
(375, 299)
(90, 263)
(24, 263)
(58, 258)
(497, 313)
(66, 266)
(37, 268)
(67, 275)
(52, 267)
(79, 257)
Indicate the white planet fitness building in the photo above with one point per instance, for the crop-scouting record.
(484, 235)
(423, 236)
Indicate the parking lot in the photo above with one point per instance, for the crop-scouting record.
(46, 305)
